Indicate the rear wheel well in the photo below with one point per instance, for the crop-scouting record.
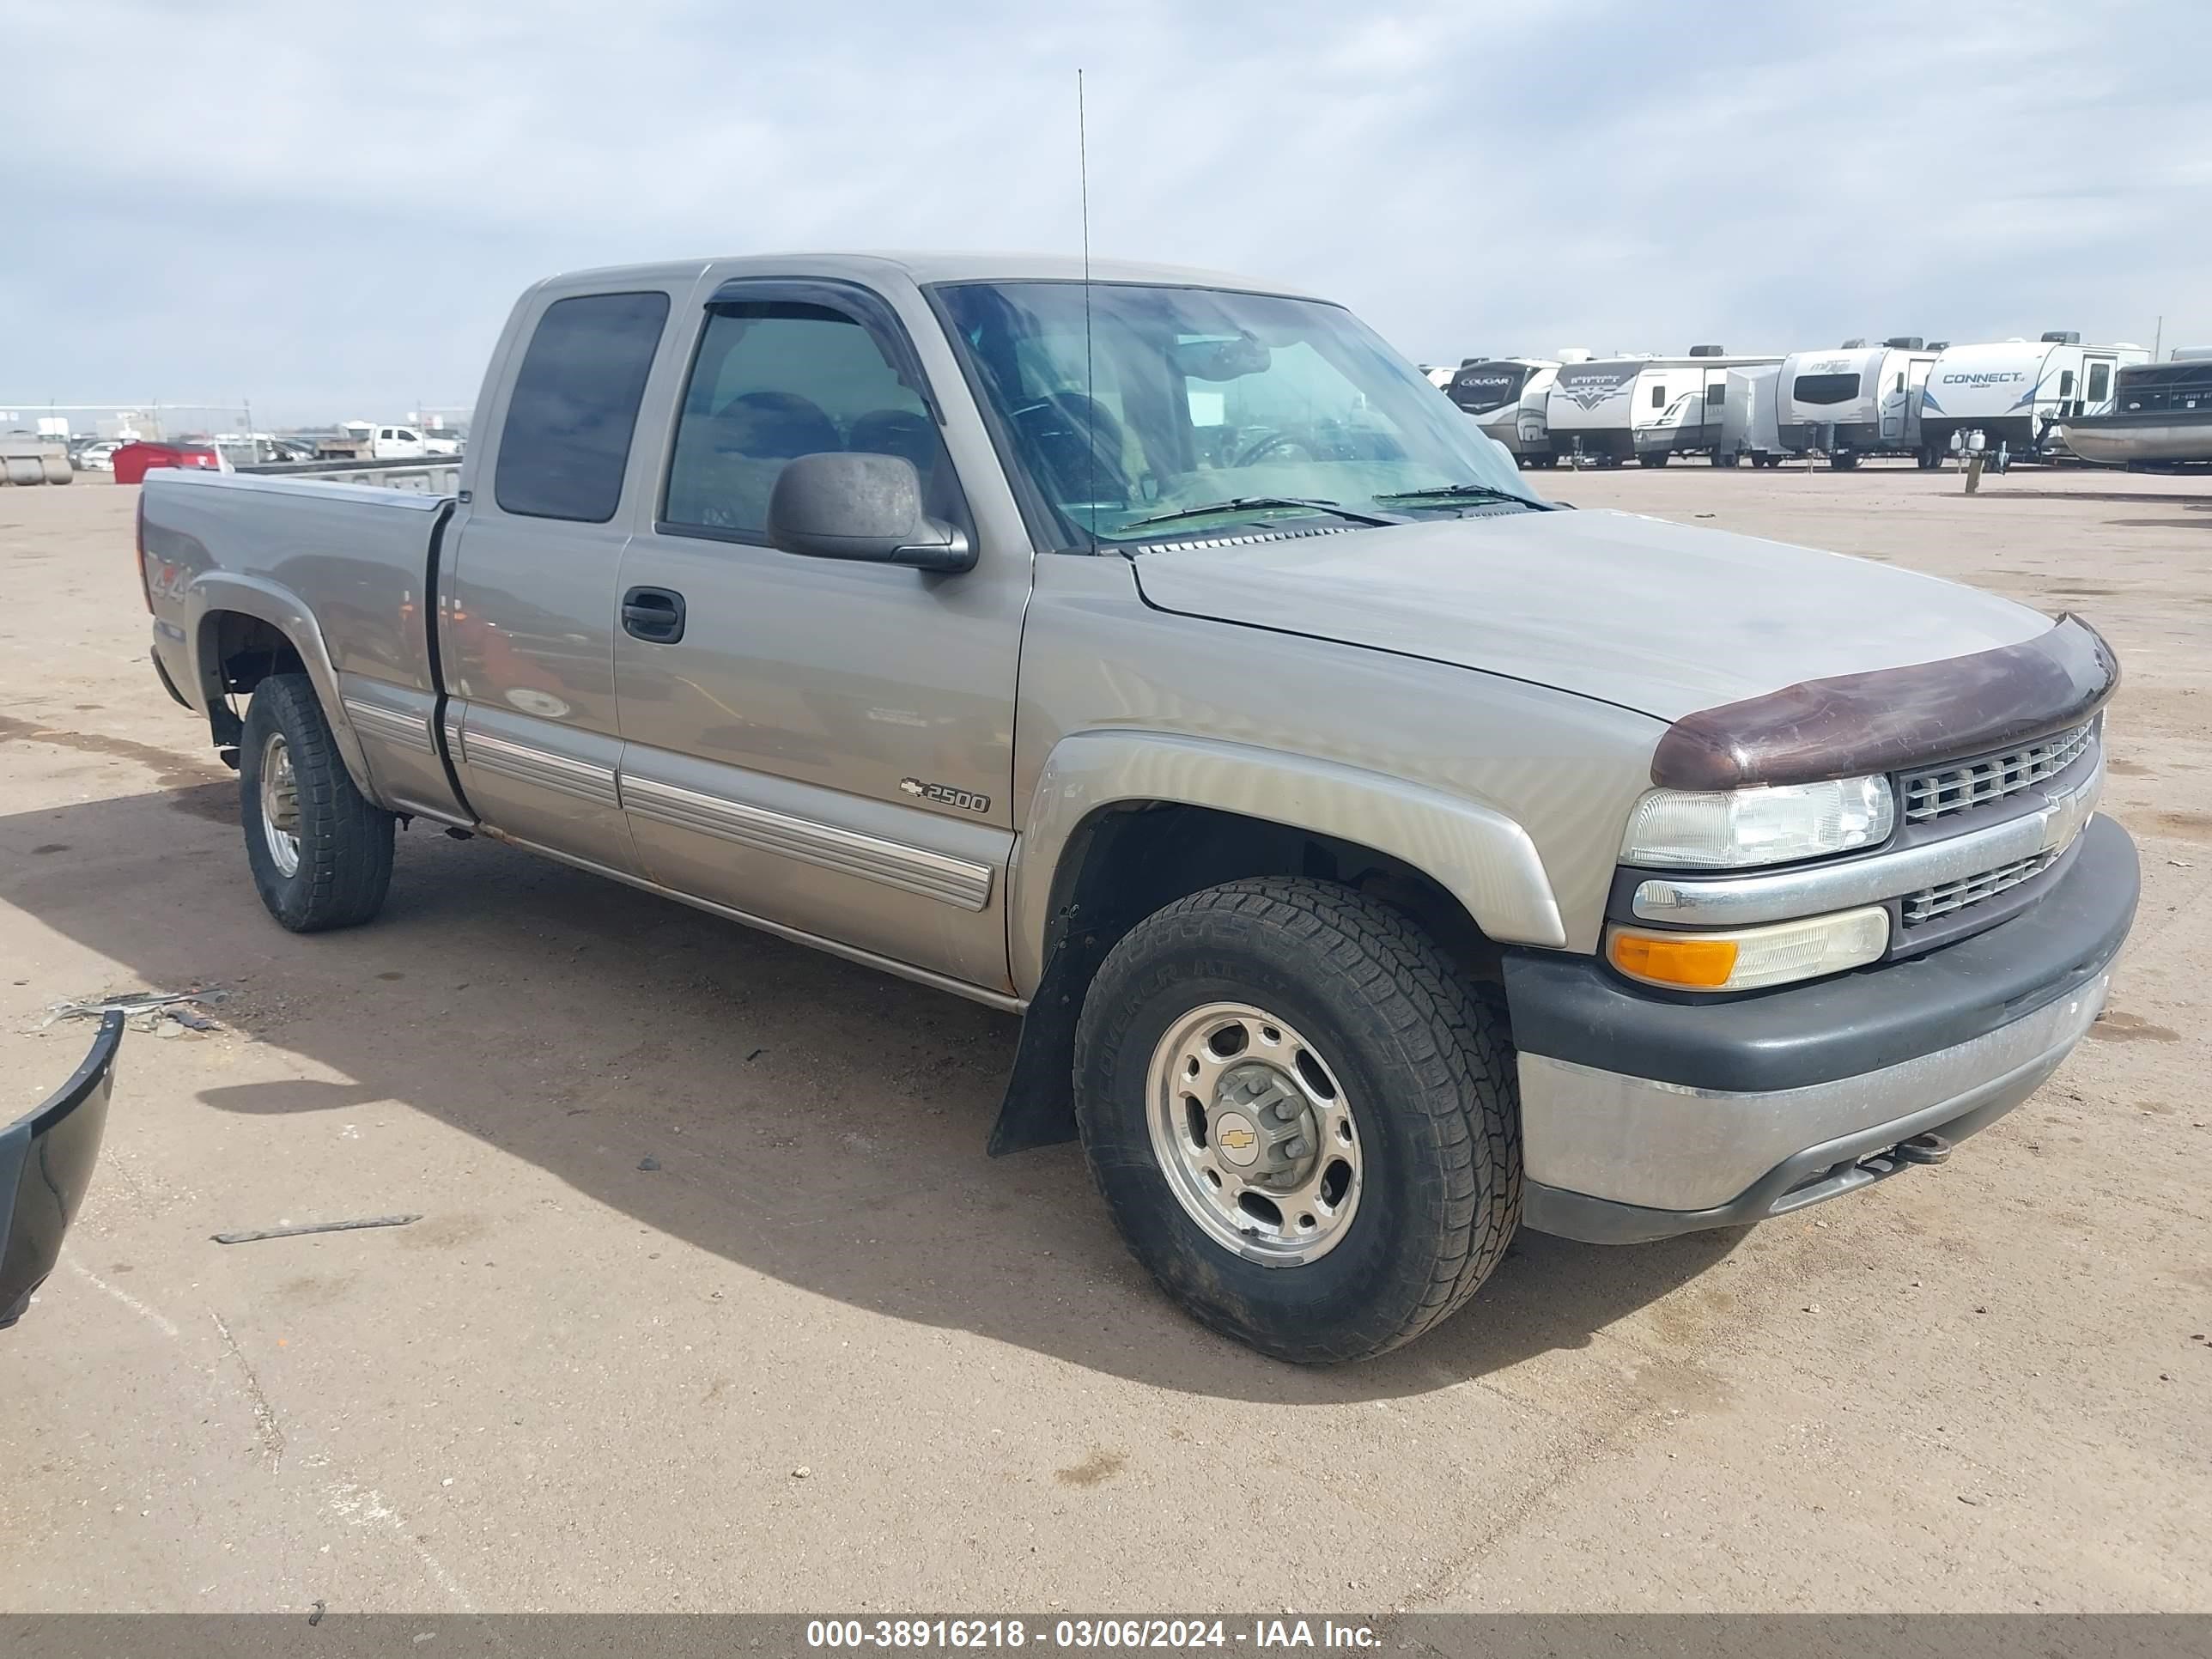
(1127, 861)
(239, 652)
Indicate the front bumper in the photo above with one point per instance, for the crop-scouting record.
(1645, 1114)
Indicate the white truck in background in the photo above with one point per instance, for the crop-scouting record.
(370, 441)
(409, 443)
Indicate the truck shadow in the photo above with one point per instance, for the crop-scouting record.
(796, 1115)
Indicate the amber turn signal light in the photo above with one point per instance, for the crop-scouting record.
(1751, 957)
(1695, 963)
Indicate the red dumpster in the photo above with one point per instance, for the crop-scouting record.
(134, 461)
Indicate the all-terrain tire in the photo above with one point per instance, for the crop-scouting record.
(344, 854)
(1428, 1071)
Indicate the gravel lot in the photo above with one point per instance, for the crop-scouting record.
(716, 1301)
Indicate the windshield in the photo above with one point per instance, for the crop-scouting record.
(1174, 399)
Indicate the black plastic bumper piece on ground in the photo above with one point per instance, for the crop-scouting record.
(46, 1167)
(1573, 1008)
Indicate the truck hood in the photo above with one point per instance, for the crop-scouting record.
(1659, 617)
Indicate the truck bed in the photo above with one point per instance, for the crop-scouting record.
(224, 551)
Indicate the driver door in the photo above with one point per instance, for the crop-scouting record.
(824, 746)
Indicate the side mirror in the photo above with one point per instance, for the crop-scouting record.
(844, 506)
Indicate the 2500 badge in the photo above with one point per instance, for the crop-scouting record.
(945, 795)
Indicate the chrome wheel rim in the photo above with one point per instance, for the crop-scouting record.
(280, 805)
(1255, 1134)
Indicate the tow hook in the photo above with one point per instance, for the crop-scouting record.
(1922, 1149)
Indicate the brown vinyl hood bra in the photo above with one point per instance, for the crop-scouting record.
(1876, 722)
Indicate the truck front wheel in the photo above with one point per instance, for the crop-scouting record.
(1303, 1120)
(321, 854)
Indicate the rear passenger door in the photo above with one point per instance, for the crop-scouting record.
(527, 623)
(822, 746)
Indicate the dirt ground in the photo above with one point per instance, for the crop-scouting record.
(716, 1301)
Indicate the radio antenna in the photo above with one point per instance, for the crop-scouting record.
(1089, 381)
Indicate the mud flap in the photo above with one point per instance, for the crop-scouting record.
(1039, 1108)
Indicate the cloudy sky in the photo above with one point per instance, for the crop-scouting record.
(327, 208)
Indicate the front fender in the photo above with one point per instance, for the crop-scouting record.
(214, 593)
(1481, 856)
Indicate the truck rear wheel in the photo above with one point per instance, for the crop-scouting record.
(1304, 1121)
(321, 854)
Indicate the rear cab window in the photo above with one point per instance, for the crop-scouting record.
(573, 409)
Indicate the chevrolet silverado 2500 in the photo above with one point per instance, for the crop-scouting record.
(1381, 856)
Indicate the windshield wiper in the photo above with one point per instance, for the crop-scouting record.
(1460, 492)
(1249, 503)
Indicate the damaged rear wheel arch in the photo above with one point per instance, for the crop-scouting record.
(237, 652)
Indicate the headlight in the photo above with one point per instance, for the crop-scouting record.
(1745, 958)
(1775, 824)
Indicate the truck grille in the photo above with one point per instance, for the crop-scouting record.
(1942, 791)
(1930, 903)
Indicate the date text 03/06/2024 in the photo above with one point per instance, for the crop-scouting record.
(1122, 1634)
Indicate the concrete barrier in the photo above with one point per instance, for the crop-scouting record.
(33, 461)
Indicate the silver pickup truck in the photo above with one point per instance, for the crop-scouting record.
(1381, 856)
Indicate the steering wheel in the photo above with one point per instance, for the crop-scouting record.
(1273, 445)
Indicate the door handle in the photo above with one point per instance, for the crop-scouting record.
(654, 615)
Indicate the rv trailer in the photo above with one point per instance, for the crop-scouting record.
(1749, 406)
(1856, 400)
(1651, 407)
(1505, 397)
(2162, 415)
(2016, 392)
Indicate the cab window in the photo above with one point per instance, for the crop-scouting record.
(566, 443)
(776, 379)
